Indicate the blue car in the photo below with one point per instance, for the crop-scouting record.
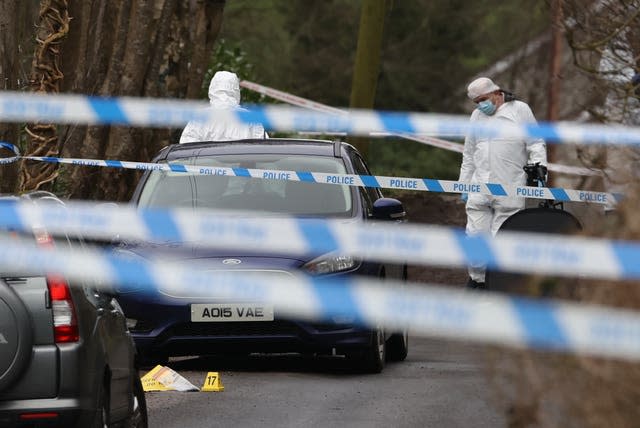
(164, 326)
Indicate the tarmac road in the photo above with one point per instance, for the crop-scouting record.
(440, 384)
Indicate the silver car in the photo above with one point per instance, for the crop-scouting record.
(66, 356)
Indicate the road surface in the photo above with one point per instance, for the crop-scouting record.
(441, 384)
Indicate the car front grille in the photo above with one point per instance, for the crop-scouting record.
(187, 294)
(222, 329)
(323, 327)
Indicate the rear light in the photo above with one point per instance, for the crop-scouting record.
(65, 323)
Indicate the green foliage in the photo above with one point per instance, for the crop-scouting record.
(231, 57)
(404, 158)
(432, 48)
(299, 46)
(62, 184)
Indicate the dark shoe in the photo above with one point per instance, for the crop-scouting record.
(475, 285)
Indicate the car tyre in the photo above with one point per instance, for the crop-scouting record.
(398, 343)
(372, 358)
(138, 418)
(101, 415)
(398, 346)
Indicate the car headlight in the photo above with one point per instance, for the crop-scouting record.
(330, 263)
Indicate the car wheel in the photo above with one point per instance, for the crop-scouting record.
(372, 358)
(101, 415)
(16, 338)
(398, 346)
(138, 418)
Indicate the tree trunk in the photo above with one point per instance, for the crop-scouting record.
(15, 45)
(122, 48)
(208, 20)
(46, 77)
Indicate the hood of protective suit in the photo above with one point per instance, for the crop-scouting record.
(224, 94)
(481, 86)
(224, 90)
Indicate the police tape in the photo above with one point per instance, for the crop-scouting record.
(153, 112)
(557, 255)
(423, 310)
(377, 181)
(313, 105)
(13, 149)
(290, 98)
(431, 141)
(458, 148)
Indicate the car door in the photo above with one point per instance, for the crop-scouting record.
(369, 196)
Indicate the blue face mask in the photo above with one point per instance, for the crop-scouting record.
(487, 107)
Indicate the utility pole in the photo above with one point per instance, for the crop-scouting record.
(555, 68)
(367, 65)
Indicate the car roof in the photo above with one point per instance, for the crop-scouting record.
(34, 196)
(255, 146)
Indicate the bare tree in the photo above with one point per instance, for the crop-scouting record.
(604, 38)
(546, 389)
(16, 35)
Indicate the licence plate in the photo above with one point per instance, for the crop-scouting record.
(225, 312)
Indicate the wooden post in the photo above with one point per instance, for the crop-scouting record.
(555, 68)
(367, 65)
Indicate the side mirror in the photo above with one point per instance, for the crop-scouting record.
(106, 241)
(388, 209)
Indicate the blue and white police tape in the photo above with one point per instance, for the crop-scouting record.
(401, 243)
(313, 105)
(458, 148)
(153, 112)
(424, 310)
(379, 181)
(13, 149)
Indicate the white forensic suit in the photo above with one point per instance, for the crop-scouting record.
(497, 160)
(224, 94)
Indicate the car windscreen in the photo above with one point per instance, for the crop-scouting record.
(175, 189)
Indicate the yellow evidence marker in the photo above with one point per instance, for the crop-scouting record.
(212, 383)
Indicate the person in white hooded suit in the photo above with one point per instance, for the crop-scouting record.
(495, 160)
(224, 94)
